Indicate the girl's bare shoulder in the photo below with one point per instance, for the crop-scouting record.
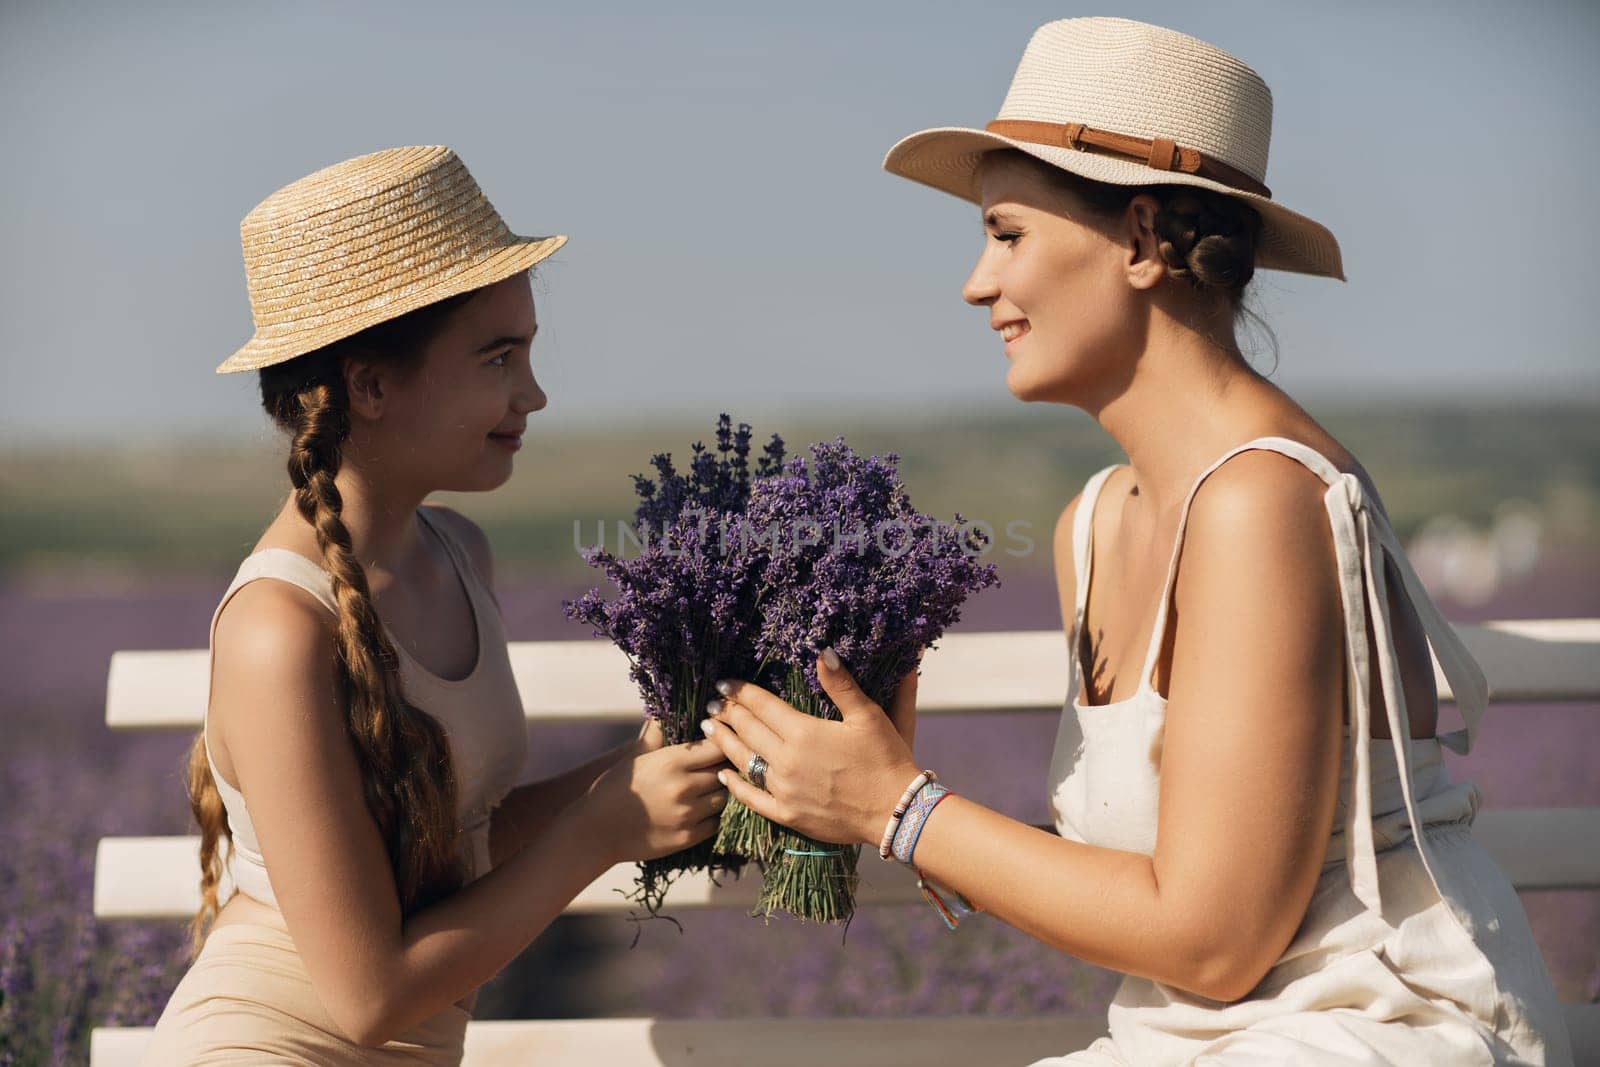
(469, 535)
(272, 662)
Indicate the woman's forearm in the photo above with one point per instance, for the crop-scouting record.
(525, 812)
(449, 949)
(1101, 905)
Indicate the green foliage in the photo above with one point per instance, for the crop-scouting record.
(189, 503)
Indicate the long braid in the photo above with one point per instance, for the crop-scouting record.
(206, 803)
(407, 777)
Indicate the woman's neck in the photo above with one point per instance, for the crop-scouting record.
(1185, 404)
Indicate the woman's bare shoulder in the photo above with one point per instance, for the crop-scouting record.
(1260, 498)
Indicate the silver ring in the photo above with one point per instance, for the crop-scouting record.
(756, 771)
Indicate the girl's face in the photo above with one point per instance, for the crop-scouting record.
(456, 422)
(1053, 281)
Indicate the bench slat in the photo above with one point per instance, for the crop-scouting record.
(157, 877)
(1541, 661)
(1543, 848)
(926, 1042)
(587, 680)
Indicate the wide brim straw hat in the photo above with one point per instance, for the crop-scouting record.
(365, 241)
(1128, 103)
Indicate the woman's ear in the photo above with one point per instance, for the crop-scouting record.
(1144, 265)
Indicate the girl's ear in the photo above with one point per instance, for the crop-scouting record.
(363, 381)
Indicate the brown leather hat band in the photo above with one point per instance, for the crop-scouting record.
(1158, 152)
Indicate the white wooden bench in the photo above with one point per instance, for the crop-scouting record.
(1526, 661)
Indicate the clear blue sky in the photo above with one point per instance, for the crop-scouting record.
(735, 242)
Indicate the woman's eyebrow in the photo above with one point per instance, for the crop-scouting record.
(995, 217)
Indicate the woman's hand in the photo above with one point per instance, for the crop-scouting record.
(660, 800)
(833, 781)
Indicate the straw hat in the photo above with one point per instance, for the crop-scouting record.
(1128, 103)
(365, 241)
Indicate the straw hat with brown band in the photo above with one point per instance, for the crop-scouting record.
(365, 241)
(1128, 103)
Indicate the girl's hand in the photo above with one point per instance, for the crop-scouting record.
(903, 708)
(658, 801)
(835, 782)
(650, 737)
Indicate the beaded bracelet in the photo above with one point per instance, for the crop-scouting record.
(900, 807)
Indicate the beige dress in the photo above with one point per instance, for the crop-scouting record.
(1414, 949)
(248, 998)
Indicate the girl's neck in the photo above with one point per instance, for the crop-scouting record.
(384, 533)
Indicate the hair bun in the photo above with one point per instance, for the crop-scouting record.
(1208, 239)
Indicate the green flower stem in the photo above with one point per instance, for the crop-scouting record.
(812, 880)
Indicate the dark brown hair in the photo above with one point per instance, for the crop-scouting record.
(404, 755)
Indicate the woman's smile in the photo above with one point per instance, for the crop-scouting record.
(1011, 332)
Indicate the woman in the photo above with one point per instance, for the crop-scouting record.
(364, 730)
(1234, 792)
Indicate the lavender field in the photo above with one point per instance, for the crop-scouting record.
(66, 781)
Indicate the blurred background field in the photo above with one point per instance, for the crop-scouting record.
(106, 549)
(199, 502)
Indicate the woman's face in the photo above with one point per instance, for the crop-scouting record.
(455, 423)
(1054, 283)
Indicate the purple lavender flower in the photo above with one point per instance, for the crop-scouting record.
(717, 483)
(16, 985)
(848, 562)
(684, 607)
(748, 577)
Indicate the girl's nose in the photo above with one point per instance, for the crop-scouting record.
(530, 397)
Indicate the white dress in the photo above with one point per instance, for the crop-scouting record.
(1414, 949)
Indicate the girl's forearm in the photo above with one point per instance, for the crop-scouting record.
(449, 949)
(1098, 904)
(528, 809)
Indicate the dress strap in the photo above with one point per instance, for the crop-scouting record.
(283, 564)
(1159, 630)
(465, 566)
(1083, 535)
(278, 563)
(1363, 538)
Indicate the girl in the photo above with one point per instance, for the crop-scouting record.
(363, 731)
(1253, 820)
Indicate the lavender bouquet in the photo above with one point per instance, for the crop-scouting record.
(685, 609)
(842, 559)
(747, 575)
